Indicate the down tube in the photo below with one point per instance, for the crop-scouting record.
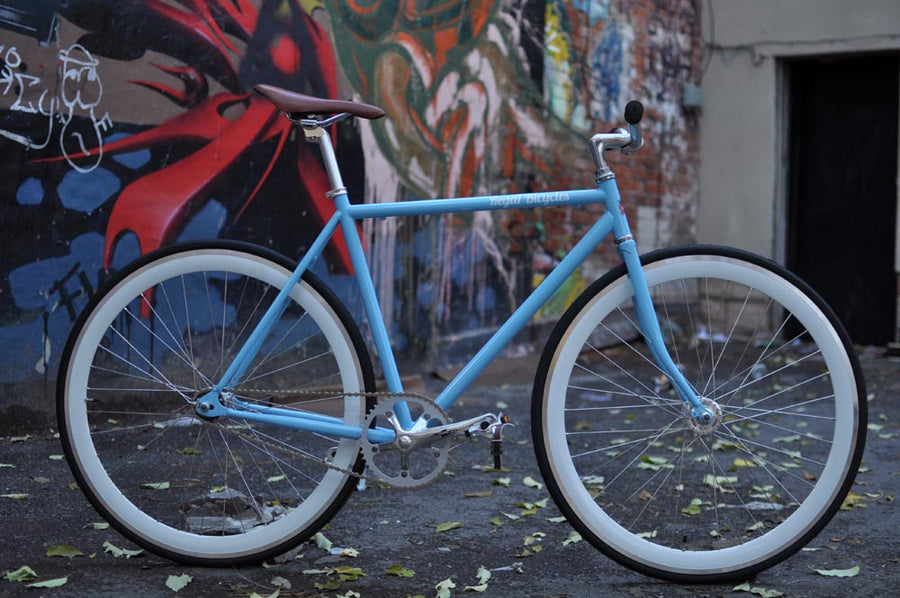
(520, 318)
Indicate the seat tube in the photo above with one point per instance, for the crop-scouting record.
(363, 277)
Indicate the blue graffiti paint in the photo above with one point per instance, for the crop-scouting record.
(596, 10)
(30, 192)
(607, 64)
(132, 160)
(85, 192)
(126, 250)
(205, 224)
(46, 289)
(29, 285)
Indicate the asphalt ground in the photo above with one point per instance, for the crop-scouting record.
(379, 528)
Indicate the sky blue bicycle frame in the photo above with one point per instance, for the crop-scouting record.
(613, 221)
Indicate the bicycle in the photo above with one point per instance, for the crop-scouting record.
(217, 402)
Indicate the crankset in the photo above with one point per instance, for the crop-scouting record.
(418, 456)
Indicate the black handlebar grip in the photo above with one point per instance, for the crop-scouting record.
(634, 112)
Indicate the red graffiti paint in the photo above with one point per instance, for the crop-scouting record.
(289, 45)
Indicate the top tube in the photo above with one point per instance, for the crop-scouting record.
(419, 207)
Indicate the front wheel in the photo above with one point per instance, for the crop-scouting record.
(212, 492)
(652, 488)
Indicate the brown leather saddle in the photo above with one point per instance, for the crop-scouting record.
(299, 105)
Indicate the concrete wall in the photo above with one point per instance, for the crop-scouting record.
(128, 125)
(742, 125)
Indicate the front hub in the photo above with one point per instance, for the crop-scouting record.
(707, 421)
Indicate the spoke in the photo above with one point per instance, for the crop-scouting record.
(648, 398)
(785, 410)
(271, 355)
(162, 380)
(764, 377)
(764, 463)
(791, 454)
(179, 351)
(651, 439)
(289, 366)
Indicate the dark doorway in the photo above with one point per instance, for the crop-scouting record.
(843, 187)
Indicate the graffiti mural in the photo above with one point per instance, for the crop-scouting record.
(128, 125)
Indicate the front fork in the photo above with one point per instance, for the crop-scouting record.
(649, 323)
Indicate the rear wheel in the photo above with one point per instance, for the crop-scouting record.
(647, 485)
(226, 491)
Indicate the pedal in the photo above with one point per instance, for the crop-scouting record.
(496, 430)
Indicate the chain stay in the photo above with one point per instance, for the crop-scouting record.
(326, 394)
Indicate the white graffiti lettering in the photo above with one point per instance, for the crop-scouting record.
(532, 200)
(80, 93)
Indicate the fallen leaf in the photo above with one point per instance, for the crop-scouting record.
(280, 583)
(484, 494)
(756, 526)
(65, 551)
(447, 526)
(852, 500)
(556, 519)
(56, 457)
(322, 542)
(398, 570)
(330, 584)
(97, 525)
(15, 496)
(694, 508)
(178, 582)
(443, 588)
(348, 573)
(49, 583)
(791, 438)
(4, 465)
(851, 572)
(274, 594)
(155, 486)
(120, 552)
(759, 591)
(532, 483)
(23, 573)
(502, 482)
(574, 538)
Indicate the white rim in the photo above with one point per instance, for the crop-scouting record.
(260, 538)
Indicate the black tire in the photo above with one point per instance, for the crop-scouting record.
(653, 491)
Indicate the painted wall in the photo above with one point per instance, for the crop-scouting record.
(128, 125)
(743, 138)
(744, 119)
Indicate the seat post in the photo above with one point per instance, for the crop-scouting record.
(316, 133)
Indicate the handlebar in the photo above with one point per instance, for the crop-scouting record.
(628, 141)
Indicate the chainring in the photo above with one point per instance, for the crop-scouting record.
(403, 463)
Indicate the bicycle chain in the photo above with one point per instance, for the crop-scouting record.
(326, 394)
